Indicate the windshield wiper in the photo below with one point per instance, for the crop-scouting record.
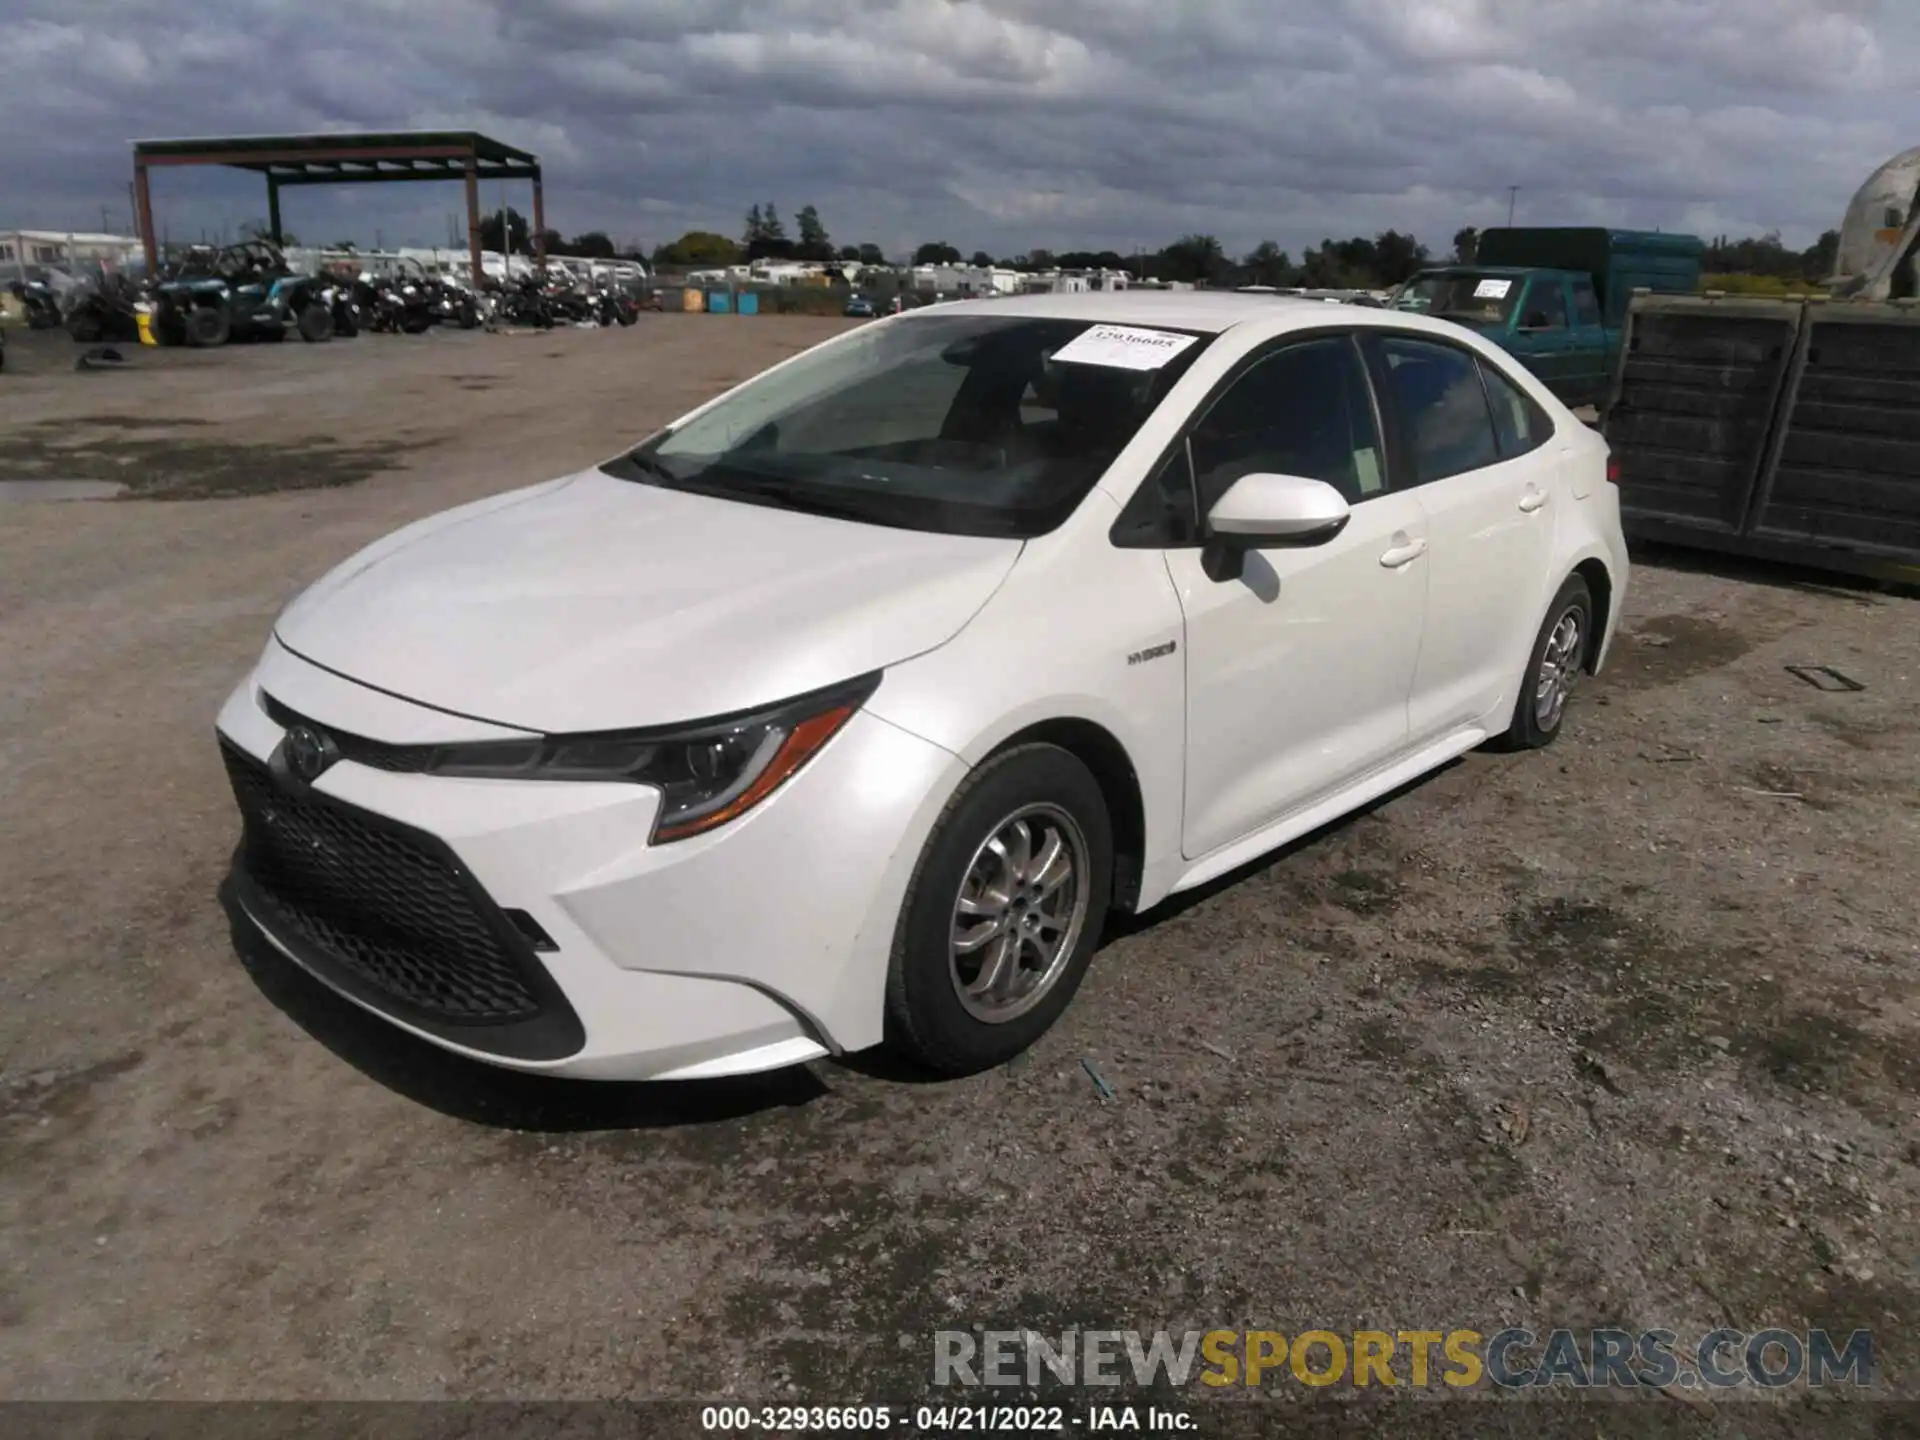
(785, 497)
(647, 465)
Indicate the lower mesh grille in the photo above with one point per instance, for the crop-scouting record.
(389, 906)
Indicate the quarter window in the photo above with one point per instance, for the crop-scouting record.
(1442, 406)
(1520, 424)
(1304, 410)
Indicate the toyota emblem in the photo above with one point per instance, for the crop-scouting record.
(308, 752)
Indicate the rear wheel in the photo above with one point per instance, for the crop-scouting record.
(1554, 667)
(208, 325)
(1003, 912)
(316, 323)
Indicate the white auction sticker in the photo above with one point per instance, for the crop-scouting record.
(1492, 289)
(1122, 347)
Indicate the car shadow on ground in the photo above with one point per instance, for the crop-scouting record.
(509, 1100)
(1122, 926)
(889, 1068)
(487, 1095)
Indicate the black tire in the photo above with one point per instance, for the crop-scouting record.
(1529, 729)
(208, 325)
(926, 1018)
(315, 323)
(85, 327)
(415, 322)
(469, 315)
(346, 325)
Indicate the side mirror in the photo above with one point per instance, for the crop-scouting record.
(1264, 511)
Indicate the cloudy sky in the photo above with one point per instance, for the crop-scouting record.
(997, 124)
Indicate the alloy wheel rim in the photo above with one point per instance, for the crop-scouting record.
(1019, 914)
(1559, 669)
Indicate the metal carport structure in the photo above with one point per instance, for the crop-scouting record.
(348, 158)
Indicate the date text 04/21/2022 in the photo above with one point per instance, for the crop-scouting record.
(942, 1419)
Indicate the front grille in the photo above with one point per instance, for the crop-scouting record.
(389, 906)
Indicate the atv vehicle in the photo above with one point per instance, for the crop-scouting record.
(244, 292)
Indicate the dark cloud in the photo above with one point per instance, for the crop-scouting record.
(1001, 124)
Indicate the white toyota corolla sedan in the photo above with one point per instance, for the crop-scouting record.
(844, 709)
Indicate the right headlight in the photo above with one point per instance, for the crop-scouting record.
(707, 773)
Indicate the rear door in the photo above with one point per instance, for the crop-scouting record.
(1591, 370)
(1483, 471)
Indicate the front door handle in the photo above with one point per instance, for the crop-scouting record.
(1404, 553)
(1533, 500)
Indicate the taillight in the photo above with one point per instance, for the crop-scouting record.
(1613, 469)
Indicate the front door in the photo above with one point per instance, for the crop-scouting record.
(1298, 668)
(1543, 333)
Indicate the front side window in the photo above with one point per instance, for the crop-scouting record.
(1546, 306)
(960, 424)
(1303, 410)
(1442, 405)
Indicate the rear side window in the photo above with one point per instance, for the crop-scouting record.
(1303, 410)
(1518, 422)
(1586, 305)
(1442, 406)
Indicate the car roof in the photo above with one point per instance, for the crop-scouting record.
(1209, 312)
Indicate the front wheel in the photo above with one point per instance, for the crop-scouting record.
(1003, 912)
(1554, 667)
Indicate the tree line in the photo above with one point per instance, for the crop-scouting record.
(1356, 263)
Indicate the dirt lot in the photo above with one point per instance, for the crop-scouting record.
(1625, 1032)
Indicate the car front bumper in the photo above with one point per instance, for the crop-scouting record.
(762, 944)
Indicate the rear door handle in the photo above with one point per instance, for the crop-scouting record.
(1404, 554)
(1533, 500)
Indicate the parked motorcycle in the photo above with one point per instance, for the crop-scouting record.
(101, 309)
(41, 301)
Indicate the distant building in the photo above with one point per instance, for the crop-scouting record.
(64, 250)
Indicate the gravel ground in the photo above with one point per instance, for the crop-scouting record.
(1624, 1032)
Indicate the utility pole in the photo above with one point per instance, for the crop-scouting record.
(1513, 193)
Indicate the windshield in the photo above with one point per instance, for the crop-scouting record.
(1468, 295)
(961, 424)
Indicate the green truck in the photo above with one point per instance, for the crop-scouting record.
(1557, 298)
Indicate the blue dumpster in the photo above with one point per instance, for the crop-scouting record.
(719, 302)
(749, 304)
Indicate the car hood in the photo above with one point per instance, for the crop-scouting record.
(594, 603)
